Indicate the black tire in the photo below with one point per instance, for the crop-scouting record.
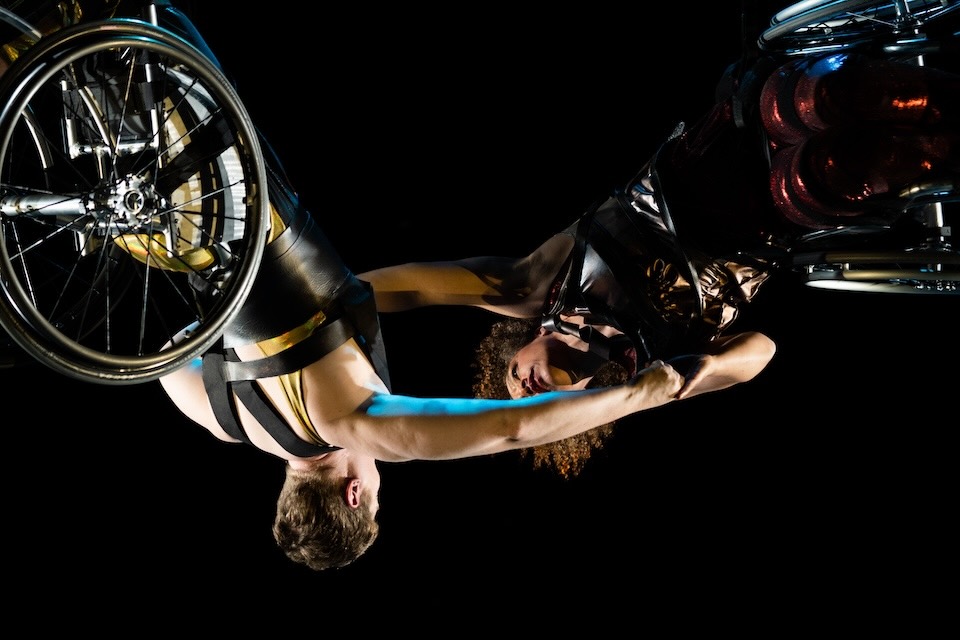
(120, 139)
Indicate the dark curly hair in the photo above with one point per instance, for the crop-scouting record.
(314, 525)
(566, 457)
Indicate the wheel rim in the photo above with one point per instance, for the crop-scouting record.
(108, 236)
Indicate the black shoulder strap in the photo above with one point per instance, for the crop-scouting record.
(224, 374)
(358, 320)
(683, 252)
(571, 281)
(253, 398)
(596, 341)
(219, 393)
(324, 340)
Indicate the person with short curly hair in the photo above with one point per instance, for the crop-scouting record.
(316, 527)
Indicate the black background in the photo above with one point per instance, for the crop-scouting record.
(418, 134)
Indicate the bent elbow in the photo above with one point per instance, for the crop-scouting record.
(763, 351)
(768, 350)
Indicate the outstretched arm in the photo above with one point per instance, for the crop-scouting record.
(403, 428)
(350, 407)
(509, 286)
(396, 428)
(728, 361)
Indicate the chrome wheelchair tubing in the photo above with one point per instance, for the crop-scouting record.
(878, 258)
(896, 26)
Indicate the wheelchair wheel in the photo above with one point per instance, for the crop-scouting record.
(906, 28)
(929, 272)
(133, 201)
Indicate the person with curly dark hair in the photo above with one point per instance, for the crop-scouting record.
(510, 337)
(663, 267)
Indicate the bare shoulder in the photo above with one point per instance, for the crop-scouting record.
(539, 268)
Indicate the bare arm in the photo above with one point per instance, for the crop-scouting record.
(513, 287)
(351, 408)
(397, 428)
(729, 361)
(441, 429)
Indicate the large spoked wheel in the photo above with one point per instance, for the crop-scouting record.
(133, 201)
(896, 27)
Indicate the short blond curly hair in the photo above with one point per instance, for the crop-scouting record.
(315, 526)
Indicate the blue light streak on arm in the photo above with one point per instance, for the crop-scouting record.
(384, 405)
